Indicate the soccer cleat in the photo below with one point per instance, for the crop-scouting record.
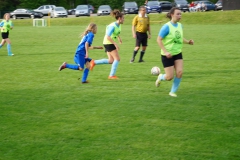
(141, 61)
(112, 77)
(158, 81)
(11, 55)
(172, 94)
(92, 64)
(62, 66)
(132, 60)
(85, 82)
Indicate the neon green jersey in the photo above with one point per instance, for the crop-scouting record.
(6, 26)
(115, 33)
(173, 42)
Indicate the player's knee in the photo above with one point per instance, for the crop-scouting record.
(179, 74)
(169, 77)
(80, 69)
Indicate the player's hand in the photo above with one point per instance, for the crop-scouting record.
(168, 55)
(86, 56)
(116, 46)
(191, 42)
(134, 35)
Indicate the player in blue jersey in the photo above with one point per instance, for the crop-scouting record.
(81, 57)
(112, 35)
(170, 39)
(6, 25)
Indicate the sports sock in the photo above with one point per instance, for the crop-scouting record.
(101, 61)
(141, 56)
(175, 85)
(134, 54)
(9, 49)
(0, 46)
(85, 75)
(162, 77)
(114, 68)
(72, 66)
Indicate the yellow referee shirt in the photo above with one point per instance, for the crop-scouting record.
(141, 23)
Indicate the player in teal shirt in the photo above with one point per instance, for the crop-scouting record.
(81, 57)
(170, 39)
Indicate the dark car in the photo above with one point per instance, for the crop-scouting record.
(182, 4)
(209, 6)
(25, 13)
(153, 6)
(130, 8)
(165, 5)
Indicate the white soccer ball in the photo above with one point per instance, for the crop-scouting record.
(155, 71)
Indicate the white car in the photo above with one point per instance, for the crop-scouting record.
(45, 9)
(104, 10)
(59, 12)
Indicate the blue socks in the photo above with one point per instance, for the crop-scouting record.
(9, 49)
(0, 46)
(175, 85)
(85, 75)
(101, 61)
(162, 77)
(114, 68)
(72, 66)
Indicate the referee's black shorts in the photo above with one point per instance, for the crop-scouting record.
(5, 35)
(168, 62)
(141, 39)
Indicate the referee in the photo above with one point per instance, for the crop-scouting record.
(140, 27)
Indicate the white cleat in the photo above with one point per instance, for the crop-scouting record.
(158, 81)
(172, 94)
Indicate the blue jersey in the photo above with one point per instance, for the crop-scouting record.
(81, 47)
(164, 31)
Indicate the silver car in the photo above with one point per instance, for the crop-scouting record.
(45, 9)
(104, 10)
(59, 12)
(82, 10)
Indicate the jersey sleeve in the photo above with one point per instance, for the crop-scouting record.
(110, 30)
(90, 38)
(1, 24)
(134, 22)
(164, 31)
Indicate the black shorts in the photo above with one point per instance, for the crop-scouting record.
(141, 39)
(109, 47)
(5, 35)
(167, 62)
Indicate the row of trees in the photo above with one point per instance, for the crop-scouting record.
(9, 5)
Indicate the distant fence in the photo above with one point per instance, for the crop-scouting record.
(231, 4)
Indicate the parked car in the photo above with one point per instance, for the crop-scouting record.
(182, 4)
(219, 5)
(45, 9)
(59, 12)
(165, 5)
(104, 10)
(209, 6)
(25, 13)
(130, 8)
(153, 6)
(91, 8)
(82, 10)
(71, 11)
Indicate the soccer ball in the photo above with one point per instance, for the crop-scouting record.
(155, 71)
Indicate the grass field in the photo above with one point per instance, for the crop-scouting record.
(47, 114)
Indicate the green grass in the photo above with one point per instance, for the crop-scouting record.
(47, 114)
